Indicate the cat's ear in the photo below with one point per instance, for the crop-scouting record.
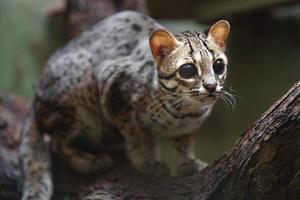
(162, 42)
(218, 33)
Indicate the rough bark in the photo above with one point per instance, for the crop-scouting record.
(263, 164)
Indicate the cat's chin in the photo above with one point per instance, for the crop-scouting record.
(205, 101)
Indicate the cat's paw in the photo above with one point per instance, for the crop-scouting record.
(190, 167)
(90, 164)
(155, 168)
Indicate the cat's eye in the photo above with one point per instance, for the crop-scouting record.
(187, 71)
(219, 66)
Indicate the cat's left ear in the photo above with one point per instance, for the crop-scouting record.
(218, 33)
(162, 42)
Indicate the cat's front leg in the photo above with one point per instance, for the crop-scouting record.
(188, 164)
(141, 147)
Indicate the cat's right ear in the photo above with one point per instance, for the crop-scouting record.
(162, 42)
(218, 33)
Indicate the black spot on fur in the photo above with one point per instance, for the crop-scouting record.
(141, 58)
(127, 20)
(118, 100)
(151, 22)
(138, 52)
(72, 81)
(151, 74)
(119, 29)
(151, 30)
(85, 42)
(127, 48)
(90, 89)
(136, 27)
(145, 18)
(50, 82)
(147, 65)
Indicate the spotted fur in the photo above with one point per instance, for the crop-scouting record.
(107, 80)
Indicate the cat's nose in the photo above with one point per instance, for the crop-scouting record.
(210, 87)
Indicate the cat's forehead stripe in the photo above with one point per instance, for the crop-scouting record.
(192, 38)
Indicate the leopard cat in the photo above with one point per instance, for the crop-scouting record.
(130, 74)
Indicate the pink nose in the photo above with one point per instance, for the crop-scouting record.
(210, 87)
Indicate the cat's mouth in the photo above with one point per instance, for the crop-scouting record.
(206, 99)
(209, 97)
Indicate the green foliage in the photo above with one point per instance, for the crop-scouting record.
(24, 44)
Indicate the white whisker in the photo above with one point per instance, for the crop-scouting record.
(163, 109)
(225, 101)
(229, 99)
(156, 99)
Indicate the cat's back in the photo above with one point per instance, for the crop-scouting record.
(123, 35)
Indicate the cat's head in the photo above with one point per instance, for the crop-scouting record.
(192, 65)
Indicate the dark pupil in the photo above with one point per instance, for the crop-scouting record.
(187, 71)
(219, 66)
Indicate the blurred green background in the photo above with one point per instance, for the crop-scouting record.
(263, 51)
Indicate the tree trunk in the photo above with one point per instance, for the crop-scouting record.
(264, 164)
